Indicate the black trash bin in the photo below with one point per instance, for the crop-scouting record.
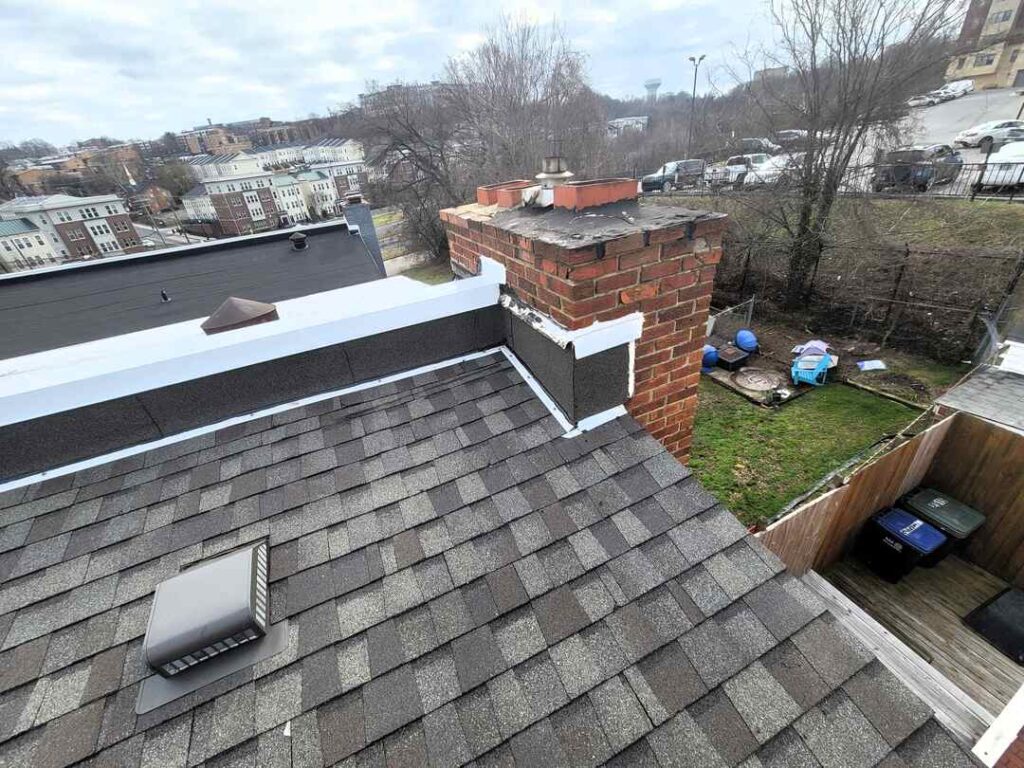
(954, 518)
(893, 542)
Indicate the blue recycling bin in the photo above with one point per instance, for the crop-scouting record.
(894, 542)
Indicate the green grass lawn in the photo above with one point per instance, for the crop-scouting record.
(756, 460)
(434, 273)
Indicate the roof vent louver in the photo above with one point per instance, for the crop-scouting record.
(298, 241)
(207, 610)
(239, 313)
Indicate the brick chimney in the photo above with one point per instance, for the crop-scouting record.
(581, 252)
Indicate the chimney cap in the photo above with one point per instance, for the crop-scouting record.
(239, 313)
(298, 241)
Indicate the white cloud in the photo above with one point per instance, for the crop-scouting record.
(136, 68)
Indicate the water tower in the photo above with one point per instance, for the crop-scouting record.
(652, 87)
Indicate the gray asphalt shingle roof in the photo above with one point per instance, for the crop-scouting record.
(464, 586)
(992, 394)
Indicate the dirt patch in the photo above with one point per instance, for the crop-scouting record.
(908, 376)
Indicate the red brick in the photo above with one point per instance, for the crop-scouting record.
(711, 257)
(638, 293)
(616, 281)
(682, 280)
(677, 248)
(667, 234)
(622, 244)
(579, 309)
(661, 269)
(595, 269)
(659, 302)
(648, 255)
(615, 313)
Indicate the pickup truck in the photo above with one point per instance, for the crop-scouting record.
(734, 170)
(674, 174)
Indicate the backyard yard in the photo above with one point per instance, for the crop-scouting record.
(431, 273)
(756, 460)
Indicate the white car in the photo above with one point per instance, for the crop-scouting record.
(1005, 168)
(992, 132)
(734, 170)
(775, 170)
(924, 100)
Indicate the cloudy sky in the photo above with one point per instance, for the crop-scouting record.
(73, 69)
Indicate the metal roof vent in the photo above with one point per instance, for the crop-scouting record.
(238, 313)
(207, 610)
(298, 241)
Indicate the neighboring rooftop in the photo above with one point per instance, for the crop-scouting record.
(462, 583)
(993, 392)
(17, 227)
(50, 202)
(92, 300)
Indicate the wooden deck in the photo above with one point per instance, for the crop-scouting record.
(925, 610)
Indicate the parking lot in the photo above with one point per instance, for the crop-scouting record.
(940, 123)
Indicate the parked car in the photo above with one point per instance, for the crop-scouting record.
(734, 170)
(677, 173)
(1005, 168)
(942, 95)
(916, 167)
(987, 135)
(777, 171)
(924, 100)
(759, 144)
(791, 138)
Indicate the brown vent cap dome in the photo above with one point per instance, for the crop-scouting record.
(239, 313)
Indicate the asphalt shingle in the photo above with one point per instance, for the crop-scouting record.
(464, 586)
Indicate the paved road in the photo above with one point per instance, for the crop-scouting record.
(940, 123)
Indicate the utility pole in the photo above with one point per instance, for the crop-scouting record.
(693, 102)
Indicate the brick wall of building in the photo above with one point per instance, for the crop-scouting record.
(1013, 757)
(665, 273)
(76, 239)
(124, 230)
(232, 213)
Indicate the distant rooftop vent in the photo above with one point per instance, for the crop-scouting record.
(239, 313)
(353, 198)
(207, 610)
(298, 241)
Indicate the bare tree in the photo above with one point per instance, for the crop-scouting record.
(850, 65)
(492, 119)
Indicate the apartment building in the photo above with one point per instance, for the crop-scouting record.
(214, 140)
(78, 227)
(22, 246)
(206, 167)
(332, 150)
(279, 155)
(347, 176)
(990, 48)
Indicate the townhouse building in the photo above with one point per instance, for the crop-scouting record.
(22, 246)
(78, 227)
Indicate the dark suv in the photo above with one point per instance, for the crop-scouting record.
(916, 168)
(677, 173)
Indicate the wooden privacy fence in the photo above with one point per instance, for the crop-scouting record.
(983, 465)
(817, 534)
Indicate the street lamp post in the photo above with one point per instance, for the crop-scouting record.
(693, 101)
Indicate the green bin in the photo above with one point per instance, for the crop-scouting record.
(951, 516)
